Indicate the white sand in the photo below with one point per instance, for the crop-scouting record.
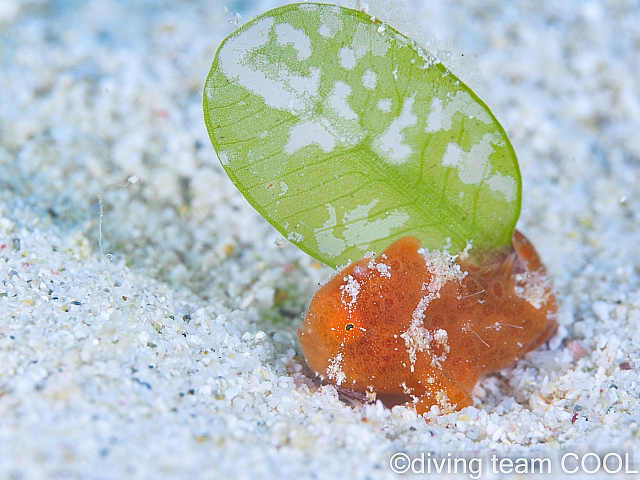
(172, 373)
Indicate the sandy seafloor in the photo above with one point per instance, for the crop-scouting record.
(189, 367)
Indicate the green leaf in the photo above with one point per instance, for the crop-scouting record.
(345, 135)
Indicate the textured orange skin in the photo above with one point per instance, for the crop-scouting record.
(489, 326)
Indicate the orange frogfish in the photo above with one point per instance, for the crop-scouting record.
(420, 328)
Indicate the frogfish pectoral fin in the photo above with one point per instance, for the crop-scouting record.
(445, 393)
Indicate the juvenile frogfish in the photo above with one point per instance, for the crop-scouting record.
(420, 328)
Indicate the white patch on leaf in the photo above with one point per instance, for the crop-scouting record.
(384, 104)
(307, 133)
(331, 24)
(224, 158)
(365, 40)
(471, 165)
(327, 241)
(348, 59)
(240, 61)
(295, 237)
(338, 101)
(369, 79)
(307, 7)
(440, 118)
(287, 35)
(434, 119)
(390, 145)
(360, 231)
(504, 184)
(340, 125)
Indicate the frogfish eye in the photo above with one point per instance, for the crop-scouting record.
(346, 325)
